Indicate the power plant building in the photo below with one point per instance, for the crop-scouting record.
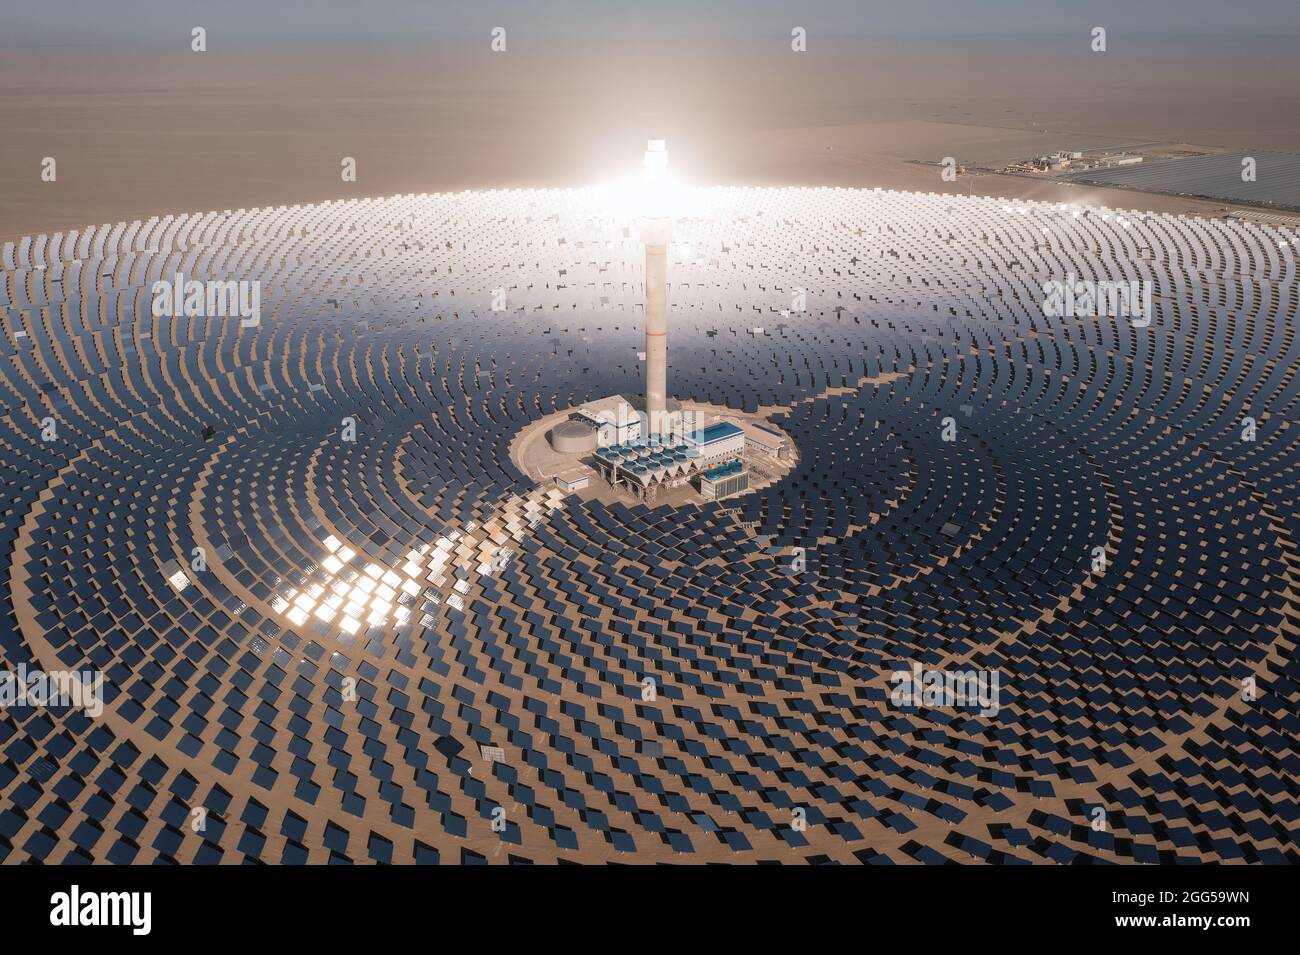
(724, 481)
(645, 468)
(717, 442)
(572, 480)
(614, 420)
(758, 438)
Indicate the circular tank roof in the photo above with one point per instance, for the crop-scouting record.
(573, 437)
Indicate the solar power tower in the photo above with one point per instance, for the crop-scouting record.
(656, 231)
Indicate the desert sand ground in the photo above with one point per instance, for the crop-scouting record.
(143, 132)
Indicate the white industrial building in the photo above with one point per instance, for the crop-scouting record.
(572, 480)
(615, 420)
(721, 441)
(724, 481)
(764, 440)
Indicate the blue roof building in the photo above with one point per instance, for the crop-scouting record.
(714, 433)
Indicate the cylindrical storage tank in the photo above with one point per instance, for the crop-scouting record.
(573, 437)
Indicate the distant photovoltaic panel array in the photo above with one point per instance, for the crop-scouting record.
(1273, 178)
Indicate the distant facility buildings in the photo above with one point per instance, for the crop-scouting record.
(1071, 161)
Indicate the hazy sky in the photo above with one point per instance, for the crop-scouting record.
(152, 22)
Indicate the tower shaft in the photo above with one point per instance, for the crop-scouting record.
(656, 336)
